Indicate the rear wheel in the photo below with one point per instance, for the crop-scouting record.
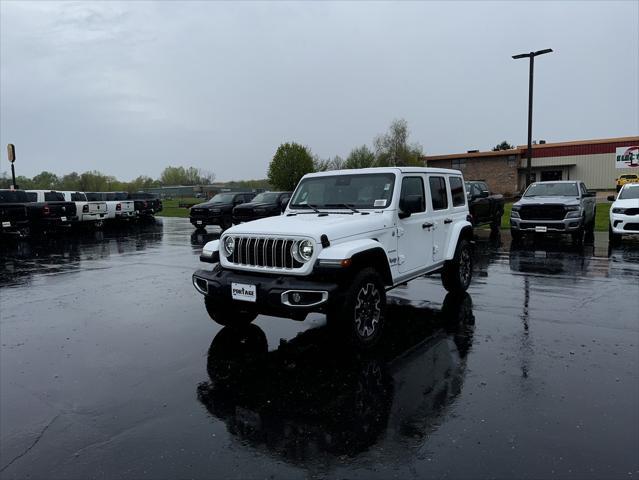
(227, 314)
(578, 236)
(516, 236)
(458, 272)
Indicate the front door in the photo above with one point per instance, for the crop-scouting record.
(415, 239)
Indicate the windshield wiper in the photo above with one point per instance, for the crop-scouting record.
(350, 207)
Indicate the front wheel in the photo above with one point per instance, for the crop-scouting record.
(363, 312)
(613, 238)
(226, 223)
(458, 272)
(228, 315)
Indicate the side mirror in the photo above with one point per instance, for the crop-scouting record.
(411, 204)
(484, 194)
(590, 194)
(611, 198)
(283, 204)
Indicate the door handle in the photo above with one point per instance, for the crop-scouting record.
(448, 220)
(427, 225)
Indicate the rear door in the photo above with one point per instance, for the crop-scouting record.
(440, 215)
(588, 202)
(414, 236)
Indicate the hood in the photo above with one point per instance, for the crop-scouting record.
(628, 203)
(210, 205)
(335, 226)
(567, 201)
(250, 206)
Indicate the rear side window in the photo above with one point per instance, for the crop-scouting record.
(13, 196)
(457, 191)
(438, 193)
(32, 196)
(78, 197)
(53, 197)
(413, 187)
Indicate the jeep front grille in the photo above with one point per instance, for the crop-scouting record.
(264, 252)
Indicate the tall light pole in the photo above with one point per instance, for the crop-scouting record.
(531, 56)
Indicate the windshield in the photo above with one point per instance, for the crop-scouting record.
(13, 196)
(266, 197)
(371, 190)
(628, 193)
(552, 189)
(222, 198)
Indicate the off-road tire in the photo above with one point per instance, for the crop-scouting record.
(578, 236)
(227, 314)
(361, 315)
(458, 272)
(590, 229)
(495, 224)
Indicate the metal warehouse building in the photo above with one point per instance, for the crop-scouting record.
(597, 163)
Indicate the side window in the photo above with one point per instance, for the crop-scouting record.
(584, 190)
(249, 197)
(484, 187)
(238, 199)
(413, 193)
(438, 193)
(32, 196)
(457, 191)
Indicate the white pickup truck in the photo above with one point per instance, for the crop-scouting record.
(345, 239)
(118, 207)
(88, 212)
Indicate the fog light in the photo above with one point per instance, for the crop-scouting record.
(296, 297)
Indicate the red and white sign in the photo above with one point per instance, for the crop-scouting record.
(627, 157)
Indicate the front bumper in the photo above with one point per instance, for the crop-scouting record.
(624, 224)
(274, 293)
(567, 225)
(201, 221)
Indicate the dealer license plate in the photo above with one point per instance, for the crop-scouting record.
(199, 222)
(541, 229)
(64, 219)
(244, 292)
(6, 224)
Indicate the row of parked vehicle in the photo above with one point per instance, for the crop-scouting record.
(36, 212)
(232, 208)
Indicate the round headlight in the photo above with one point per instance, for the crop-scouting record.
(229, 246)
(303, 251)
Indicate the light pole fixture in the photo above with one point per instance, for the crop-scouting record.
(531, 56)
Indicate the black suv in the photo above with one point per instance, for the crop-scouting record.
(218, 210)
(266, 204)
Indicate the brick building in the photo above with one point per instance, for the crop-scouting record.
(596, 162)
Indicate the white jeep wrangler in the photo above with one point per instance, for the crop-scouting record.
(345, 239)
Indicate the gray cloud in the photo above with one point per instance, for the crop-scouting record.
(129, 88)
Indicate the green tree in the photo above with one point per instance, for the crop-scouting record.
(94, 181)
(45, 181)
(502, 146)
(70, 181)
(392, 148)
(185, 176)
(290, 163)
(360, 157)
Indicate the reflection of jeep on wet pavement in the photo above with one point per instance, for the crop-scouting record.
(345, 239)
(312, 399)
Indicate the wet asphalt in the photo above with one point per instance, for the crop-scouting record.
(111, 368)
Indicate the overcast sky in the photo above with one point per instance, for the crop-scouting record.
(129, 88)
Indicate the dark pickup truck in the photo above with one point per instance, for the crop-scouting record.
(146, 204)
(266, 204)
(218, 210)
(486, 208)
(14, 219)
(48, 211)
